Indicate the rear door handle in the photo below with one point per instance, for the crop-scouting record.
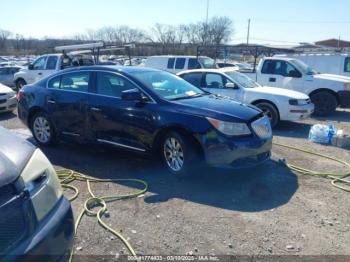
(51, 101)
(40, 74)
(96, 109)
(272, 79)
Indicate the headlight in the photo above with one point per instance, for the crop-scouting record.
(11, 94)
(298, 102)
(230, 128)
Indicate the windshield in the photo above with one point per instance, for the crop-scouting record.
(304, 67)
(242, 80)
(168, 86)
(207, 62)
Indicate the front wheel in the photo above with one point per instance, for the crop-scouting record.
(270, 111)
(19, 84)
(178, 154)
(325, 103)
(43, 130)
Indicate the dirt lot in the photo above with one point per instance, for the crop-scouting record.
(268, 210)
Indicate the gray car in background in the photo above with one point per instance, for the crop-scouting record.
(7, 75)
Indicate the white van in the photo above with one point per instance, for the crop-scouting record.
(176, 64)
(338, 64)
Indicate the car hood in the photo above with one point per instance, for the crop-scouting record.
(330, 77)
(219, 107)
(278, 92)
(5, 89)
(14, 155)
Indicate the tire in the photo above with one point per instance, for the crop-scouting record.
(19, 84)
(178, 154)
(270, 111)
(43, 130)
(325, 103)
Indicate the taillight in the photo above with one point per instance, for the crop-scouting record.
(20, 95)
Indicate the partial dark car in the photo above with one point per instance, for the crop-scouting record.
(36, 219)
(148, 111)
(7, 75)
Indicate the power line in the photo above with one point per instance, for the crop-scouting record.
(297, 21)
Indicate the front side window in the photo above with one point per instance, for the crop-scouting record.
(193, 78)
(347, 65)
(171, 62)
(193, 63)
(242, 80)
(112, 85)
(180, 63)
(214, 81)
(168, 86)
(71, 82)
(40, 63)
(51, 63)
(291, 71)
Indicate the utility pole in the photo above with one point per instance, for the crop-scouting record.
(248, 31)
(207, 18)
(206, 23)
(339, 42)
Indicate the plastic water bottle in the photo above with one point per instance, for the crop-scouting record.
(331, 132)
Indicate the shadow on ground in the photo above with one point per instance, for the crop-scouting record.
(292, 129)
(263, 188)
(339, 116)
(7, 116)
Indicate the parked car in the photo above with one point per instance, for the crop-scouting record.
(176, 64)
(326, 92)
(338, 64)
(277, 103)
(148, 111)
(48, 64)
(36, 219)
(7, 75)
(238, 65)
(8, 101)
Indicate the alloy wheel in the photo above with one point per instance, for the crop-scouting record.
(173, 153)
(42, 130)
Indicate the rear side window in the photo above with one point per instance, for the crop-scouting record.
(193, 78)
(112, 85)
(51, 63)
(273, 67)
(180, 63)
(71, 82)
(347, 65)
(193, 63)
(171, 62)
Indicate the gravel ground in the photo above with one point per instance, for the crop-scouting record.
(267, 210)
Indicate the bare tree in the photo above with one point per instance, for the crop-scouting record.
(4, 35)
(220, 30)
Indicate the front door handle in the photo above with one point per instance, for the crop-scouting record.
(40, 74)
(96, 109)
(272, 79)
(51, 101)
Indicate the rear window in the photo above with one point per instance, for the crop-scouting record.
(193, 78)
(171, 62)
(347, 65)
(180, 63)
(51, 63)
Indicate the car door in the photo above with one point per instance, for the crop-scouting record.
(66, 102)
(126, 124)
(51, 66)
(271, 73)
(216, 83)
(5, 76)
(292, 78)
(36, 70)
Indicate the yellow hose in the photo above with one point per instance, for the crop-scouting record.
(337, 179)
(67, 176)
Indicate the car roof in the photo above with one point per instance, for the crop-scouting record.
(115, 68)
(213, 70)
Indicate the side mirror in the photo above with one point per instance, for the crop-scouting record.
(231, 85)
(30, 67)
(133, 95)
(294, 74)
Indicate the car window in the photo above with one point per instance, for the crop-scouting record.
(180, 63)
(40, 63)
(171, 62)
(2, 71)
(347, 65)
(193, 78)
(214, 81)
(51, 63)
(54, 82)
(112, 85)
(75, 82)
(14, 70)
(291, 71)
(273, 67)
(193, 63)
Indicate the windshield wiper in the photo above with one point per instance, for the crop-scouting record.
(187, 97)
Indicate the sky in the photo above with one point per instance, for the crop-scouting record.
(282, 22)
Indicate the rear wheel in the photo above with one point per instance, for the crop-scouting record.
(43, 130)
(179, 154)
(270, 111)
(20, 83)
(325, 103)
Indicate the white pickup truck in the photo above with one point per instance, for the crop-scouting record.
(46, 65)
(327, 92)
